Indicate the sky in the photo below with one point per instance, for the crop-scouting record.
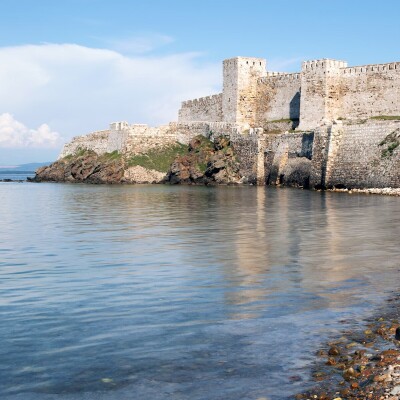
(69, 67)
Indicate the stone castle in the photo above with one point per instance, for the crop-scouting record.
(329, 125)
(324, 90)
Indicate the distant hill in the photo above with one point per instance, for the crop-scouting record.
(25, 167)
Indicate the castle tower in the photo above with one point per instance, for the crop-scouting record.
(240, 88)
(320, 92)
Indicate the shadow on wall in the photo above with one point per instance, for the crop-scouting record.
(307, 142)
(294, 107)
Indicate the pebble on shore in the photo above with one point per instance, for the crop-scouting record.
(362, 365)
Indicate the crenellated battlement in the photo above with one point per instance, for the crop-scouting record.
(372, 68)
(323, 64)
(324, 90)
(280, 76)
(202, 100)
(245, 62)
(119, 126)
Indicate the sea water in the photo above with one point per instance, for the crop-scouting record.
(176, 292)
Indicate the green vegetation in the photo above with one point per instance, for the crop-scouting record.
(391, 142)
(158, 159)
(386, 117)
(274, 132)
(287, 120)
(80, 152)
(202, 167)
(204, 144)
(389, 151)
(115, 155)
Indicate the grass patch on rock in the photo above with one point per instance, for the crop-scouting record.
(159, 159)
(386, 117)
(115, 155)
(390, 143)
(284, 120)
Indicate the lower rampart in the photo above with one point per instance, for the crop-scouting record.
(340, 155)
(360, 155)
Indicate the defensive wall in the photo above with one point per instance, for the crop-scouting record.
(278, 97)
(202, 109)
(125, 138)
(329, 125)
(324, 90)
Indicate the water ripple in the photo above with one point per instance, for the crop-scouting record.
(182, 292)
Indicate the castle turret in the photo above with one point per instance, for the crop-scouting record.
(240, 88)
(320, 92)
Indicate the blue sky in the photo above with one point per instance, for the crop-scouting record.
(69, 67)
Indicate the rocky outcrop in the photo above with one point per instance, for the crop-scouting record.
(206, 163)
(148, 164)
(202, 162)
(139, 174)
(87, 167)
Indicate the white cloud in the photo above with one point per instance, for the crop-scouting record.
(139, 44)
(14, 134)
(77, 89)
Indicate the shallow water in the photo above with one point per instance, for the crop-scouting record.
(160, 292)
(16, 175)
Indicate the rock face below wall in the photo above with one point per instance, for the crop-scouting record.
(349, 154)
(206, 163)
(202, 162)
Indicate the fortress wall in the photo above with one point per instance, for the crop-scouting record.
(240, 76)
(357, 157)
(95, 141)
(278, 97)
(320, 92)
(130, 139)
(203, 109)
(142, 138)
(246, 148)
(371, 90)
(285, 155)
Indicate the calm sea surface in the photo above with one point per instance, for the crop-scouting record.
(16, 175)
(160, 292)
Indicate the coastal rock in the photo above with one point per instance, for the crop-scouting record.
(206, 163)
(89, 168)
(139, 174)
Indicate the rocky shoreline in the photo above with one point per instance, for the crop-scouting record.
(381, 191)
(363, 364)
(202, 162)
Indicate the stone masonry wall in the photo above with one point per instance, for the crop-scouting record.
(371, 90)
(240, 77)
(287, 154)
(278, 98)
(360, 157)
(246, 147)
(132, 139)
(203, 109)
(341, 155)
(96, 141)
(320, 92)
